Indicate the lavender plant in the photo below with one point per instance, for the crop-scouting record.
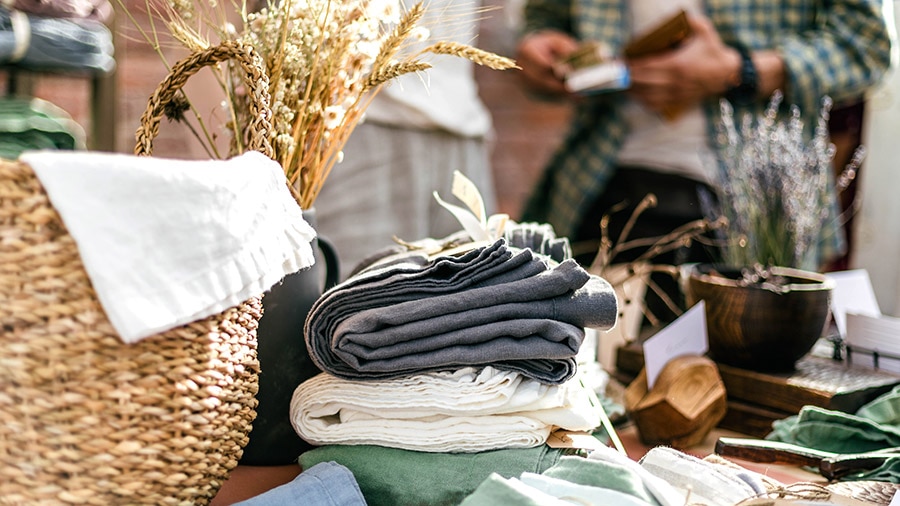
(776, 189)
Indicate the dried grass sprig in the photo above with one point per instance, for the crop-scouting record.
(389, 72)
(473, 54)
(641, 266)
(324, 61)
(398, 36)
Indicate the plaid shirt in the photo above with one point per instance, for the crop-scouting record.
(838, 48)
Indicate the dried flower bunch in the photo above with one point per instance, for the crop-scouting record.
(325, 60)
(620, 274)
(778, 190)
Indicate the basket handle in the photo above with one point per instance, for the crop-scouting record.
(254, 77)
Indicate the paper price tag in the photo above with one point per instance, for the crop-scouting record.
(572, 439)
(473, 219)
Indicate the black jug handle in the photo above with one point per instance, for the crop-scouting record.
(332, 263)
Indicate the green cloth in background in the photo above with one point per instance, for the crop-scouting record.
(889, 472)
(32, 123)
(884, 410)
(875, 426)
(394, 477)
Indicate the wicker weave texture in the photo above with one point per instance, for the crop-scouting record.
(86, 419)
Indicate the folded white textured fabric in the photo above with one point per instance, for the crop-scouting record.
(167, 242)
(702, 482)
(468, 410)
(660, 489)
(574, 493)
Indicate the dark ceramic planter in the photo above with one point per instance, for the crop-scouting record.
(757, 328)
(283, 358)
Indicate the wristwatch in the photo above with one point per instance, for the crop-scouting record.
(744, 93)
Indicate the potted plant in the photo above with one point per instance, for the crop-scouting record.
(766, 304)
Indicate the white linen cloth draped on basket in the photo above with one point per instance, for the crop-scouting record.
(166, 242)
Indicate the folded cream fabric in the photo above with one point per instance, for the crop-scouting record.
(166, 242)
(468, 410)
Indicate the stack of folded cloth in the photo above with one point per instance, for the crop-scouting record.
(99, 10)
(433, 356)
(436, 362)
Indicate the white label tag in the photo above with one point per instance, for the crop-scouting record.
(465, 190)
(685, 336)
(473, 219)
(571, 439)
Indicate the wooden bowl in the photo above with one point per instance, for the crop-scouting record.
(761, 328)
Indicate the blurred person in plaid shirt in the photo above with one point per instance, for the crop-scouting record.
(623, 145)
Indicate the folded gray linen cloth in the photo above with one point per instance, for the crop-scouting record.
(493, 305)
(538, 237)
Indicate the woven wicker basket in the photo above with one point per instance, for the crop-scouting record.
(86, 419)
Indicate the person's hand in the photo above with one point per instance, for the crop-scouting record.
(538, 54)
(702, 66)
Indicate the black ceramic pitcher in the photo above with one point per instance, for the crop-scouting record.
(283, 359)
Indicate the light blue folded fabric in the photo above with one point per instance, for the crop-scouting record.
(325, 484)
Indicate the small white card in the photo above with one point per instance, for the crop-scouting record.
(852, 293)
(896, 500)
(684, 336)
(868, 334)
(473, 220)
(571, 439)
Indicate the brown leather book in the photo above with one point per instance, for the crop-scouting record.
(665, 36)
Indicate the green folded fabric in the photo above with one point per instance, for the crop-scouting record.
(874, 426)
(833, 432)
(838, 432)
(32, 123)
(498, 491)
(889, 472)
(394, 477)
(884, 410)
(601, 474)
